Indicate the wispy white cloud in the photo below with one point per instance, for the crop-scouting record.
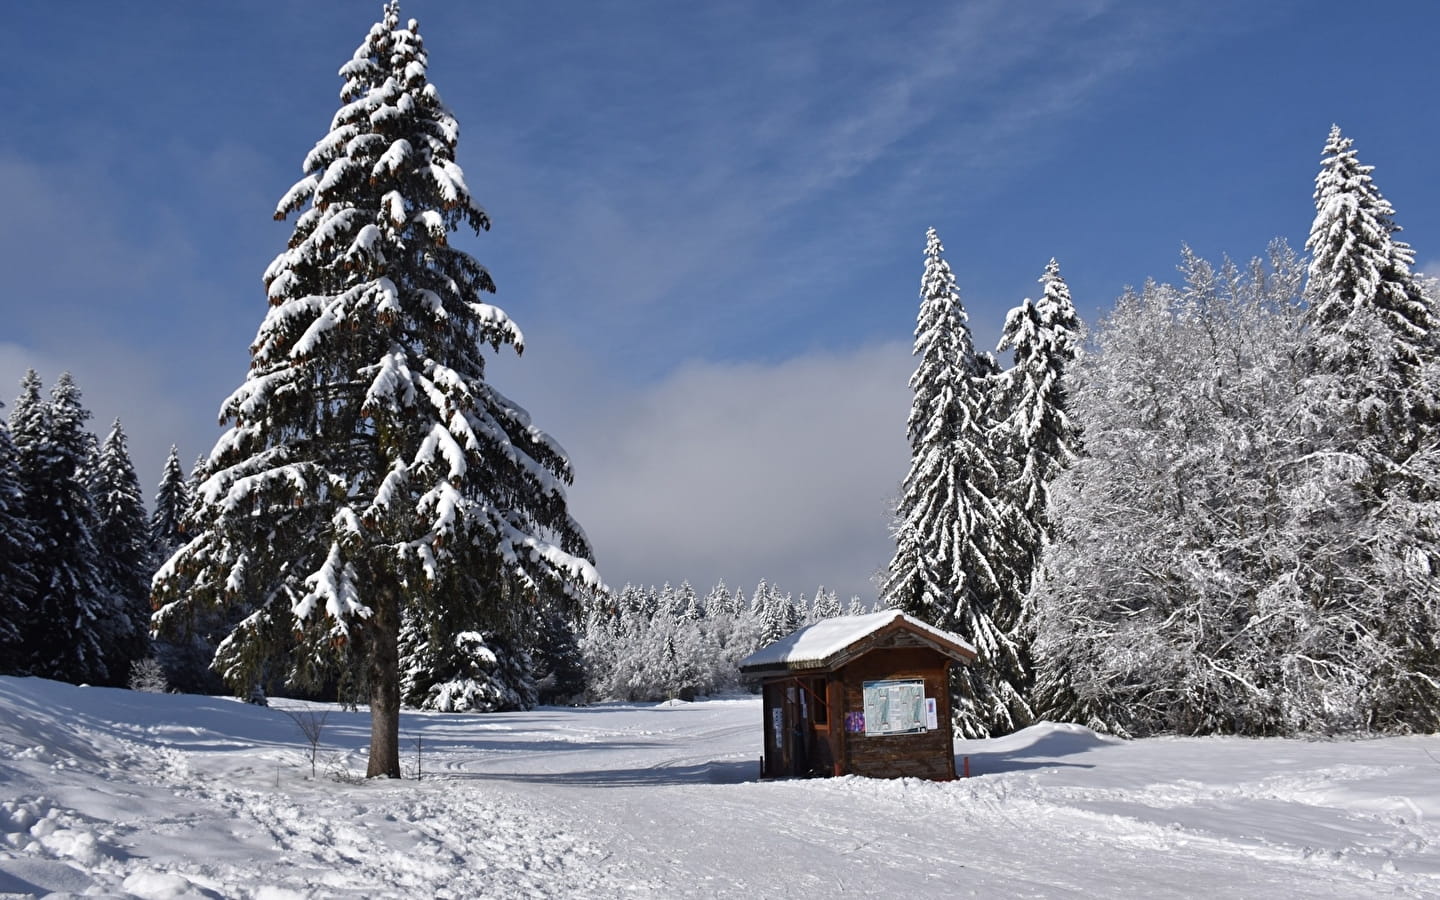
(782, 161)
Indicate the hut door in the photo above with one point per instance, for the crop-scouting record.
(792, 713)
(780, 718)
(820, 760)
(799, 705)
(785, 730)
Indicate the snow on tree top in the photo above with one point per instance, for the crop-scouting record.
(815, 645)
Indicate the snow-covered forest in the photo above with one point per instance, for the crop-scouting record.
(649, 644)
(1219, 515)
(1214, 510)
(1248, 543)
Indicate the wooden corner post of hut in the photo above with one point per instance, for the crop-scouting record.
(859, 695)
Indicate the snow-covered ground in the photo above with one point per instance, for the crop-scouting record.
(109, 792)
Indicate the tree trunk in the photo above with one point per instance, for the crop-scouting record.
(384, 664)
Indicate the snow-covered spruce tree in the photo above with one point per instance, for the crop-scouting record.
(559, 662)
(122, 537)
(185, 653)
(666, 601)
(1033, 439)
(720, 602)
(1369, 317)
(193, 481)
(950, 566)
(370, 476)
(172, 502)
(1036, 438)
(1370, 410)
(687, 603)
(17, 556)
(70, 607)
(732, 633)
(826, 605)
(461, 658)
(778, 615)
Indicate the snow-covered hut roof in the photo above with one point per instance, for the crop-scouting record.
(827, 643)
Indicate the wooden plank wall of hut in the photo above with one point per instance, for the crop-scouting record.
(928, 754)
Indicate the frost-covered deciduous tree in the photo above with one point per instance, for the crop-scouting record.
(951, 567)
(122, 538)
(17, 556)
(370, 475)
(71, 603)
(1157, 611)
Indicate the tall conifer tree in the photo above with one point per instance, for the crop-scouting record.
(71, 602)
(1034, 439)
(370, 474)
(172, 502)
(185, 652)
(1369, 411)
(1370, 319)
(17, 556)
(950, 567)
(1036, 432)
(122, 538)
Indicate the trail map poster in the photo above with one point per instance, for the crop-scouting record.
(894, 707)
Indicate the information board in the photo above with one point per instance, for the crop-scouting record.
(894, 707)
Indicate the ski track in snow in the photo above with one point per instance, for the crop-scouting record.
(112, 793)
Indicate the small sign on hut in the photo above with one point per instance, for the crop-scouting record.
(859, 695)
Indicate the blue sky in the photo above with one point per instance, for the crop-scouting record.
(709, 217)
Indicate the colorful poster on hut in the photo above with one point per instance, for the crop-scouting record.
(894, 707)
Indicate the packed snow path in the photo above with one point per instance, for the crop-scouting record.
(123, 794)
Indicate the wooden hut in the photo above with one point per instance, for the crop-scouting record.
(859, 695)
